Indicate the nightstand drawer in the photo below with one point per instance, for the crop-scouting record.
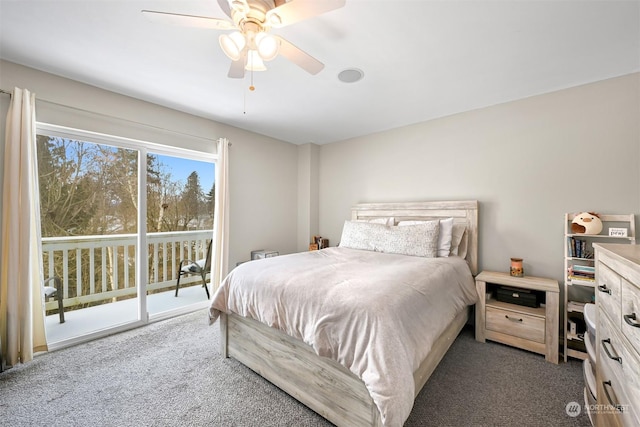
(516, 324)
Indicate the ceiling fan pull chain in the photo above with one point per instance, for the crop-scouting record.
(251, 87)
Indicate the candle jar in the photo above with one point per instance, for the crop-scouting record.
(516, 269)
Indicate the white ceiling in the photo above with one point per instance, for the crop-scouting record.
(421, 59)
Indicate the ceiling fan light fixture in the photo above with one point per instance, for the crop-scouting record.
(232, 44)
(254, 62)
(267, 46)
(273, 18)
(239, 5)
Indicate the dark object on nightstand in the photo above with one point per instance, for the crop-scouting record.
(525, 297)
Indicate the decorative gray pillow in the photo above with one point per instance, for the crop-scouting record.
(415, 240)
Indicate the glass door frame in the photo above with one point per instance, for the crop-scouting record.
(141, 270)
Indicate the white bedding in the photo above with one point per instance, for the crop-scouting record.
(377, 314)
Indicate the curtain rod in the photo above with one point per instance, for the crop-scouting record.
(127, 120)
(119, 118)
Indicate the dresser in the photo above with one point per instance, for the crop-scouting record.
(617, 335)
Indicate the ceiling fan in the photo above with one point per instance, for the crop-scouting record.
(251, 43)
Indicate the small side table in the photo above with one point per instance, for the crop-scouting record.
(530, 328)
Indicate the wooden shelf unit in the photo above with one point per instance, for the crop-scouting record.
(580, 292)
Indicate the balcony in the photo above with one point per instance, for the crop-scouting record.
(98, 276)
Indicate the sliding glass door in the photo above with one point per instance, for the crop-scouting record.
(119, 217)
(180, 198)
(89, 221)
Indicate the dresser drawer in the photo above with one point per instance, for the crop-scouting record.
(631, 379)
(614, 405)
(618, 339)
(631, 314)
(516, 324)
(609, 346)
(608, 288)
(619, 364)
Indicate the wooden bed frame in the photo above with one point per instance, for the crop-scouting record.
(320, 383)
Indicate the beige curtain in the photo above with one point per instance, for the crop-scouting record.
(21, 298)
(221, 216)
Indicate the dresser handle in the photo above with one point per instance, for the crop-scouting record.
(629, 317)
(513, 319)
(606, 350)
(606, 391)
(603, 288)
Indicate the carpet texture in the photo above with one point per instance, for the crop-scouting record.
(171, 373)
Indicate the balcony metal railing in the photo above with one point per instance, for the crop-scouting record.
(95, 269)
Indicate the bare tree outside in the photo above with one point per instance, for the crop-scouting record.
(89, 189)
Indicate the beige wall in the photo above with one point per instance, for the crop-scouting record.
(308, 169)
(263, 171)
(526, 162)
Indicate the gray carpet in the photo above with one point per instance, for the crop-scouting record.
(171, 373)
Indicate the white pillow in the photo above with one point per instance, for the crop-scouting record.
(459, 240)
(464, 243)
(385, 221)
(444, 236)
(414, 240)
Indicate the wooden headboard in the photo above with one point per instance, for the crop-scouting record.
(463, 212)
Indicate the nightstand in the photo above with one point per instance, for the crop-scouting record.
(530, 328)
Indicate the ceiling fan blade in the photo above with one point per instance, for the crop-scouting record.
(188, 20)
(298, 10)
(236, 70)
(224, 5)
(299, 57)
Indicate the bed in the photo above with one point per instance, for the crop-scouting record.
(317, 366)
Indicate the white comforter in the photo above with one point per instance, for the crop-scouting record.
(377, 314)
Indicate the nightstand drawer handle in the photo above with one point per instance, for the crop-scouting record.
(606, 391)
(606, 350)
(629, 317)
(513, 319)
(603, 288)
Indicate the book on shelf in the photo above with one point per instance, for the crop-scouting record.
(582, 280)
(577, 248)
(587, 269)
(581, 274)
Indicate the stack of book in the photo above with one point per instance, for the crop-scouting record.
(577, 248)
(582, 274)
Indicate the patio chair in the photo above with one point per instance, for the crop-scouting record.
(55, 291)
(201, 267)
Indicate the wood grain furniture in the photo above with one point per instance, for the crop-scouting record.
(579, 289)
(618, 335)
(530, 328)
(321, 383)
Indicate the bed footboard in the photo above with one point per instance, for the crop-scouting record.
(320, 383)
